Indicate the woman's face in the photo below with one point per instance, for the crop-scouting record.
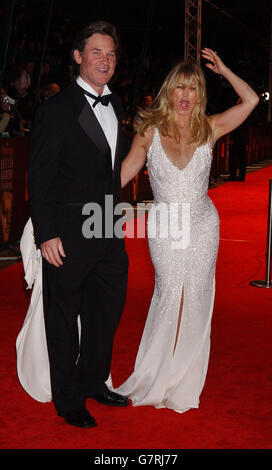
(185, 96)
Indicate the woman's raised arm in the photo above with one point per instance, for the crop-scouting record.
(225, 122)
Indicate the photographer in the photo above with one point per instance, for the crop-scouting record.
(5, 109)
(10, 120)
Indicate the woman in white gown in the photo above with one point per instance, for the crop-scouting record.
(177, 138)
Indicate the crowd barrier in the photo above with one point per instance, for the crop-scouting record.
(13, 197)
(267, 282)
(259, 148)
(14, 210)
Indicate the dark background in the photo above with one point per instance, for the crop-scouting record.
(239, 30)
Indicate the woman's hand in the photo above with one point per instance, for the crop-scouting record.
(215, 63)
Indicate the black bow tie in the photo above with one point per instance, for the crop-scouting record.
(99, 99)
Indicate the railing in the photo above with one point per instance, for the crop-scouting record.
(259, 148)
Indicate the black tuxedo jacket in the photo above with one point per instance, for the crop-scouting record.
(70, 164)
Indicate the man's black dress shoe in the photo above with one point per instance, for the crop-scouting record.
(79, 417)
(111, 398)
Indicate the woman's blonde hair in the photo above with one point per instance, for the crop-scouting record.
(161, 114)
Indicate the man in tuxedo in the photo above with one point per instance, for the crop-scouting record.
(77, 147)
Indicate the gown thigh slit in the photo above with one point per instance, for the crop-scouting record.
(172, 360)
(179, 320)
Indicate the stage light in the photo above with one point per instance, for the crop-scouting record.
(265, 96)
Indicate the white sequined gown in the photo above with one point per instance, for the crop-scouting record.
(173, 355)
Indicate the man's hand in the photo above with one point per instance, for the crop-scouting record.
(52, 250)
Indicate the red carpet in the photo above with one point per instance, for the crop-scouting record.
(235, 408)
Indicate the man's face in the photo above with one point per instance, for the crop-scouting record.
(98, 61)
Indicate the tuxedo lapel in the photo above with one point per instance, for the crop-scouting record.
(92, 128)
(88, 121)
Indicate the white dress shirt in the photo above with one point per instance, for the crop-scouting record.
(105, 115)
